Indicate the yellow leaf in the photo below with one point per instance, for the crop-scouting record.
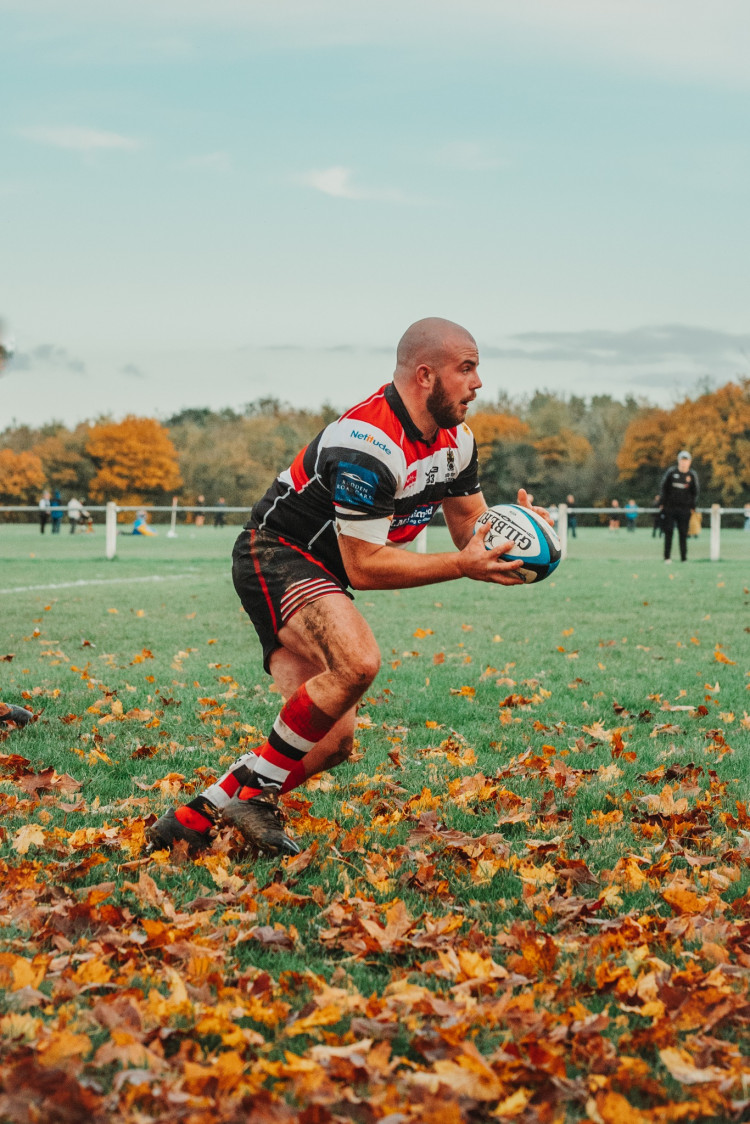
(30, 835)
(63, 1044)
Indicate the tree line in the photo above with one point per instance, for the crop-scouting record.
(597, 449)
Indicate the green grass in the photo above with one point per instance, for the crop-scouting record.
(614, 627)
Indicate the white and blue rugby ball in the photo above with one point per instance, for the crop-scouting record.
(533, 540)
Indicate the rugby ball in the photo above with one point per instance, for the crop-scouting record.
(532, 539)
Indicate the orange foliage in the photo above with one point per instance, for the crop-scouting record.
(21, 477)
(564, 447)
(135, 459)
(489, 427)
(716, 429)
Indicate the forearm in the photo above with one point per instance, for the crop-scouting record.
(392, 568)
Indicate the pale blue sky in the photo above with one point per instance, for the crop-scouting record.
(202, 203)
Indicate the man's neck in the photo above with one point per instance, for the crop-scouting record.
(419, 414)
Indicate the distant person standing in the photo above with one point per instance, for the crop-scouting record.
(746, 509)
(200, 515)
(56, 511)
(219, 515)
(44, 506)
(572, 519)
(75, 507)
(658, 528)
(677, 499)
(614, 518)
(631, 514)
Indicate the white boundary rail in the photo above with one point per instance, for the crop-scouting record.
(715, 511)
(112, 510)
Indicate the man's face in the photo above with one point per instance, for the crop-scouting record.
(683, 463)
(456, 383)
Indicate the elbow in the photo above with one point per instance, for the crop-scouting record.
(359, 580)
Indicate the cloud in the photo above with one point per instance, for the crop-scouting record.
(659, 343)
(48, 355)
(132, 371)
(337, 181)
(76, 139)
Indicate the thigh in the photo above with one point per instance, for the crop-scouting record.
(276, 582)
(329, 633)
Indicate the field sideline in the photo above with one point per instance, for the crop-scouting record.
(527, 898)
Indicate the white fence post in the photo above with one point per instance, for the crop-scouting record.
(562, 529)
(421, 541)
(715, 531)
(111, 530)
(172, 533)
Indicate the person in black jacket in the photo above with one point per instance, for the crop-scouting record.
(677, 499)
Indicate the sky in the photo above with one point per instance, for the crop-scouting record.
(206, 202)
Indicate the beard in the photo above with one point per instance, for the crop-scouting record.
(446, 412)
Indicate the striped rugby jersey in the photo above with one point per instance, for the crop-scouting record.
(370, 473)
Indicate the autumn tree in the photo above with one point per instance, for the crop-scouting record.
(21, 477)
(67, 464)
(490, 426)
(715, 427)
(253, 447)
(135, 461)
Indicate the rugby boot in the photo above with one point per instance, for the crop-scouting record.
(259, 820)
(168, 830)
(18, 715)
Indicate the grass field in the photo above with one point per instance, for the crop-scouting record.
(527, 898)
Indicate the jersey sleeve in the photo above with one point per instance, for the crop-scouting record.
(467, 481)
(361, 467)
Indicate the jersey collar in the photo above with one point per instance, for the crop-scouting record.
(396, 403)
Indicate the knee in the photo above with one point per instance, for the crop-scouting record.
(360, 668)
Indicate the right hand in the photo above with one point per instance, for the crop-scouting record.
(484, 565)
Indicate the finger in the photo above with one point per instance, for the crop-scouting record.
(513, 564)
(499, 547)
(523, 498)
(542, 511)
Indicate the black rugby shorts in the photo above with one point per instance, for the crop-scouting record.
(274, 579)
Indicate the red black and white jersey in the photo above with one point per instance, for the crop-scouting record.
(371, 475)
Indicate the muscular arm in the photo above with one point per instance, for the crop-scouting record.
(372, 566)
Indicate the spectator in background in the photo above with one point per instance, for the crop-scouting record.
(614, 518)
(747, 517)
(44, 506)
(572, 520)
(200, 516)
(140, 526)
(75, 507)
(677, 499)
(631, 514)
(219, 515)
(56, 511)
(658, 528)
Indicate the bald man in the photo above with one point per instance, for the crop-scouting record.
(369, 482)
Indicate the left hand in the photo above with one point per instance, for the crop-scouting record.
(523, 501)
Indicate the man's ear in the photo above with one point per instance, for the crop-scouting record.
(425, 376)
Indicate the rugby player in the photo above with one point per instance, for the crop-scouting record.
(369, 482)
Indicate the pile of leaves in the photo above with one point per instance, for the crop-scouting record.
(527, 908)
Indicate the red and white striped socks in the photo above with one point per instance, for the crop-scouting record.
(276, 765)
(299, 727)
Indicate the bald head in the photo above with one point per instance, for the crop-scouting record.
(426, 343)
(436, 373)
